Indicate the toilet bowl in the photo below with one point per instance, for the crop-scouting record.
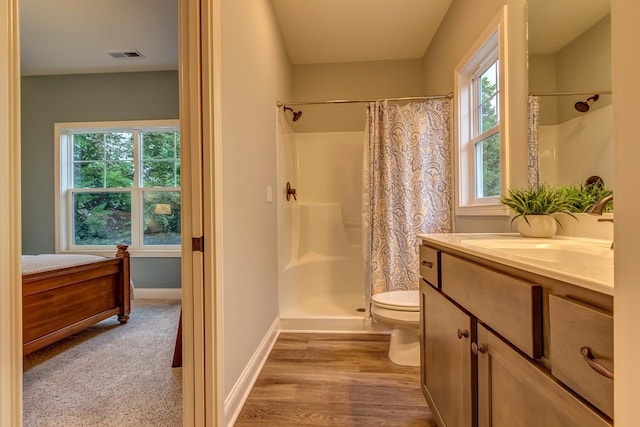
(400, 312)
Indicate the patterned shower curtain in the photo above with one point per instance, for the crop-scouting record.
(534, 165)
(406, 189)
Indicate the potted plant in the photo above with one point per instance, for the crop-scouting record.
(585, 196)
(535, 206)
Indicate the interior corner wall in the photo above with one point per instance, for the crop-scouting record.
(463, 24)
(46, 100)
(585, 65)
(350, 80)
(255, 74)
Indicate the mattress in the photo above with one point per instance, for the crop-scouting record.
(39, 263)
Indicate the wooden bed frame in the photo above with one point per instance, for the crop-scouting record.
(58, 303)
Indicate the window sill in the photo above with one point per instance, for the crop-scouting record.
(483, 210)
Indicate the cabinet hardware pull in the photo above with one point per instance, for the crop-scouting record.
(463, 333)
(475, 348)
(427, 264)
(590, 359)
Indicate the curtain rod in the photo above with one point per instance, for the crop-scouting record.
(599, 92)
(356, 101)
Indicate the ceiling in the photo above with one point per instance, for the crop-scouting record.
(329, 31)
(75, 36)
(552, 23)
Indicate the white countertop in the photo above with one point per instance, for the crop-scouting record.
(587, 263)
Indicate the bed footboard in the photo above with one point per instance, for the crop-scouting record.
(59, 303)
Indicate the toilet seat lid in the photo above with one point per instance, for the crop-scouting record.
(398, 300)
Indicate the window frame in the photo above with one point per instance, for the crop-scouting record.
(489, 47)
(64, 190)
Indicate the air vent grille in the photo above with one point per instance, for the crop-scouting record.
(126, 54)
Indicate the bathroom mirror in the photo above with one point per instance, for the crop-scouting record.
(569, 48)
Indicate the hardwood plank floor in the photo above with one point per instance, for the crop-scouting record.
(335, 380)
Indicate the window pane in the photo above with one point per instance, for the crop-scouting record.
(119, 146)
(161, 217)
(102, 218)
(489, 114)
(159, 145)
(488, 96)
(161, 154)
(88, 175)
(488, 166)
(88, 146)
(158, 173)
(489, 79)
(120, 174)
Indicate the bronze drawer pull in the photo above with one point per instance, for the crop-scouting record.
(475, 348)
(590, 359)
(463, 333)
(427, 264)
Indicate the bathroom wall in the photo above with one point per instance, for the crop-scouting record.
(464, 22)
(582, 65)
(255, 73)
(352, 80)
(625, 66)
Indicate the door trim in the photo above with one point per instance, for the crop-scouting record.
(10, 260)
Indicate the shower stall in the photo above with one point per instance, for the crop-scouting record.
(321, 280)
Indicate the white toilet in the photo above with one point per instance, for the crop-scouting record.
(400, 311)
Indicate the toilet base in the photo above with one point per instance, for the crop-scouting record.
(404, 347)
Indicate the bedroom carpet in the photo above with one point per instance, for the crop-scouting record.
(109, 374)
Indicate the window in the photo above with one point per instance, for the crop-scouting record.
(118, 183)
(481, 142)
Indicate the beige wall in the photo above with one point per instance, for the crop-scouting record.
(625, 65)
(463, 24)
(255, 74)
(582, 65)
(353, 80)
(542, 78)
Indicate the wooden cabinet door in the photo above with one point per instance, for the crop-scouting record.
(514, 392)
(447, 359)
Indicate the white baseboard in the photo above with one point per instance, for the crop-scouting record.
(235, 400)
(157, 293)
(330, 324)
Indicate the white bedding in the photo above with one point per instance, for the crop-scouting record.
(38, 263)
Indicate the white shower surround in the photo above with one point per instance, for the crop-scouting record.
(572, 151)
(321, 280)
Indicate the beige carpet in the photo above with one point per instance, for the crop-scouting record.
(109, 374)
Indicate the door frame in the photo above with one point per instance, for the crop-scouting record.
(200, 141)
(198, 46)
(10, 250)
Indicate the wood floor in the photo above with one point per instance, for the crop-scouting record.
(335, 380)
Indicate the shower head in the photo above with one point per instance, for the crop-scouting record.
(584, 106)
(296, 114)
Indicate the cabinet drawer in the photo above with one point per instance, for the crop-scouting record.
(575, 325)
(430, 265)
(509, 306)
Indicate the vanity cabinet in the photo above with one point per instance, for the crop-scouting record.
(490, 340)
(447, 332)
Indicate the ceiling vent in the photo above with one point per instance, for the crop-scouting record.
(126, 54)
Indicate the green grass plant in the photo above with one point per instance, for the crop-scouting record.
(541, 199)
(585, 196)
